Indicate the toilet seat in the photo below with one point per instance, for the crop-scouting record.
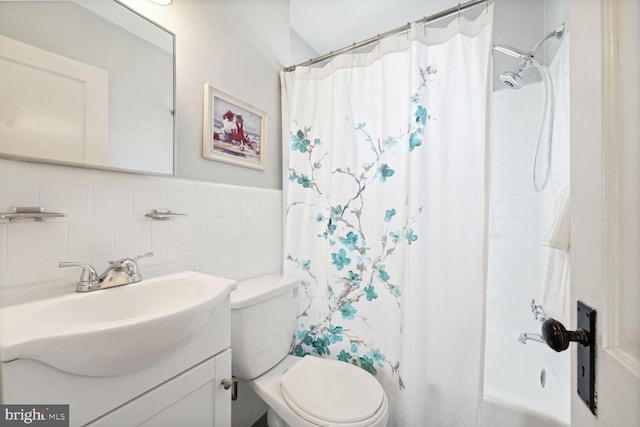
(329, 392)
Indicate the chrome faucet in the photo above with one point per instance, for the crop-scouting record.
(528, 336)
(120, 272)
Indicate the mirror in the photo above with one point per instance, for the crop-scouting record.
(86, 83)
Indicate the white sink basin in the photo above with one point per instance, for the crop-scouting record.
(112, 331)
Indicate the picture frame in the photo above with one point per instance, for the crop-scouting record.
(234, 131)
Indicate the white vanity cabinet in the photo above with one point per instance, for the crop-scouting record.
(194, 398)
(182, 386)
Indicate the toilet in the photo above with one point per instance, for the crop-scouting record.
(300, 391)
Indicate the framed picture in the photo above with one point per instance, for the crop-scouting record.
(234, 131)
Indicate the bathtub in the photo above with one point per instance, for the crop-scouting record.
(514, 395)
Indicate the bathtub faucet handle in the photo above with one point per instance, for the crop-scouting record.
(538, 311)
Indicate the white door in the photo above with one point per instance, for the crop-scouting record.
(605, 198)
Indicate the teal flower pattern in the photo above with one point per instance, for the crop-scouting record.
(348, 312)
(352, 266)
(339, 259)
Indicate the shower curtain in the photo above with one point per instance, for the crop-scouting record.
(386, 211)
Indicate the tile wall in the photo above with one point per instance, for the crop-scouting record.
(520, 216)
(229, 231)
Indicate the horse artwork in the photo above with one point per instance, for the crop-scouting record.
(233, 130)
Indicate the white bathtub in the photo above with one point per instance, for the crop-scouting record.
(514, 396)
(503, 414)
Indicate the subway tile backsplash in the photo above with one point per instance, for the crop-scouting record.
(229, 231)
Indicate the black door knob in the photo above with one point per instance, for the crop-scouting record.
(558, 338)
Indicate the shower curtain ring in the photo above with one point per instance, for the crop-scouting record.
(458, 12)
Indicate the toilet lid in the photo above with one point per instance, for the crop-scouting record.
(331, 390)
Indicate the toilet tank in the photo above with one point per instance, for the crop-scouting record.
(263, 321)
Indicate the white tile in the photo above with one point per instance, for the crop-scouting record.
(241, 228)
(228, 206)
(247, 250)
(16, 170)
(205, 257)
(220, 230)
(51, 271)
(173, 184)
(131, 180)
(206, 205)
(274, 246)
(72, 199)
(222, 271)
(255, 227)
(208, 187)
(36, 242)
(271, 227)
(154, 265)
(231, 205)
(112, 202)
(194, 231)
(184, 255)
(90, 238)
(181, 202)
(3, 244)
(165, 234)
(521, 190)
(227, 253)
(145, 201)
(499, 191)
(132, 237)
(15, 193)
(18, 275)
(242, 270)
(245, 208)
(68, 174)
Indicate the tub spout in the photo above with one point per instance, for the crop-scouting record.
(528, 336)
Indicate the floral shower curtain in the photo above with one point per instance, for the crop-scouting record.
(386, 212)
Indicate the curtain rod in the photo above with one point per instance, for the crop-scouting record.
(427, 19)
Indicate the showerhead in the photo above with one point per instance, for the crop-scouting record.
(512, 79)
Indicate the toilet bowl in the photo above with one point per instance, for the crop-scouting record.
(300, 391)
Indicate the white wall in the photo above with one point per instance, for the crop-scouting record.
(238, 47)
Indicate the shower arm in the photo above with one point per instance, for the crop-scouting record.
(558, 33)
(527, 57)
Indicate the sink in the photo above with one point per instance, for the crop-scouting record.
(112, 331)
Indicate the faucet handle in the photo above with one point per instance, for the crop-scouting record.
(120, 262)
(88, 277)
(144, 255)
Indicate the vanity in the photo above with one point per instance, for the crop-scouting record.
(153, 353)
